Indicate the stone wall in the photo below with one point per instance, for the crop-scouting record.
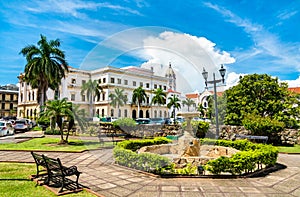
(287, 137)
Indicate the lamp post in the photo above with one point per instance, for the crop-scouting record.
(214, 82)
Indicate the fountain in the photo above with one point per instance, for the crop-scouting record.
(188, 148)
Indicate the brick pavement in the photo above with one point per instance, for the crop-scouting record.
(107, 179)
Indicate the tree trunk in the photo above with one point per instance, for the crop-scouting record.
(138, 110)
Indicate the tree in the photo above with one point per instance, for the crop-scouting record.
(92, 89)
(46, 66)
(259, 94)
(139, 96)
(188, 102)
(58, 111)
(118, 98)
(174, 102)
(159, 97)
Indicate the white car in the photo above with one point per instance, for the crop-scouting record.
(6, 128)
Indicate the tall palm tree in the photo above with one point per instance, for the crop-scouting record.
(159, 97)
(118, 98)
(139, 96)
(46, 66)
(188, 102)
(174, 102)
(92, 89)
(57, 110)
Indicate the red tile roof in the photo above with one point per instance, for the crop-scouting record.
(192, 95)
(294, 89)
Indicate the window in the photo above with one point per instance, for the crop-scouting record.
(119, 81)
(32, 95)
(112, 80)
(83, 97)
(104, 80)
(125, 82)
(103, 96)
(102, 112)
(12, 97)
(112, 112)
(165, 87)
(160, 86)
(141, 84)
(29, 96)
(83, 82)
(72, 97)
(155, 86)
(147, 85)
(125, 113)
(3, 106)
(119, 114)
(21, 97)
(3, 97)
(134, 83)
(99, 80)
(73, 81)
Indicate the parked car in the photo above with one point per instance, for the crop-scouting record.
(143, 121)
(22, 125)
(159, 121)
(6, 128)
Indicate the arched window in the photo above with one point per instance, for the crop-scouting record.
(141, 114)
(125, 113)
(134, 114)
(102, 112)
(112, 112)
(119, 114)
(147, 114)
(160, 113)
(155, 114)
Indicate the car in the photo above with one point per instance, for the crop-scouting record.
(143, 121)
(22, 125)
(6, 128)
(158, 121)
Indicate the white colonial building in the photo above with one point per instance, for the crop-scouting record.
(109, 78)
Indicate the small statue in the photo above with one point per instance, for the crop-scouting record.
(193, 149)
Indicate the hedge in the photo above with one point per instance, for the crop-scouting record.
(124, 154)
(251, 157)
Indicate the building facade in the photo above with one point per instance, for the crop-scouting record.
(9, 101)
(108, 78)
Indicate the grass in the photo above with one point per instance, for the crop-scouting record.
(14, 181)
(289, 149)
(50, 144)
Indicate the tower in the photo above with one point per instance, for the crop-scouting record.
(170, 74)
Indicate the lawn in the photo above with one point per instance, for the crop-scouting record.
(50, 144)
(14, 181)
(289, 149)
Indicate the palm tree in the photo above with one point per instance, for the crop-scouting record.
(57, 110)
(159, 97)
(174, 102)
(188, 102)
(118, 98)
(46, 66)
(79, 117)
(92, 89)
(139, 96)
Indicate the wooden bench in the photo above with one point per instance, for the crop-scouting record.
(58, 173)
(39, 161)
(264, 139)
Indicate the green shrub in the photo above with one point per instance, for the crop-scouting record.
(124, 154)
(43, 120)
(262, 125)
(49, 131)
(200, 128)
(251, 157)
(125, 124)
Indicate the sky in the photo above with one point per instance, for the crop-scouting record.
(258, 36)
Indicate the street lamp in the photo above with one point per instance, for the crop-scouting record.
(214, 82)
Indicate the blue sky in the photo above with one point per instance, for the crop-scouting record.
(258, 36)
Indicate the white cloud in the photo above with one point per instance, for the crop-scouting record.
(292, 83)
(75, 7)
(188, 55)
(286, 14)
(233, 78)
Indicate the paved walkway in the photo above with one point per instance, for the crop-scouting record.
(107, 179)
